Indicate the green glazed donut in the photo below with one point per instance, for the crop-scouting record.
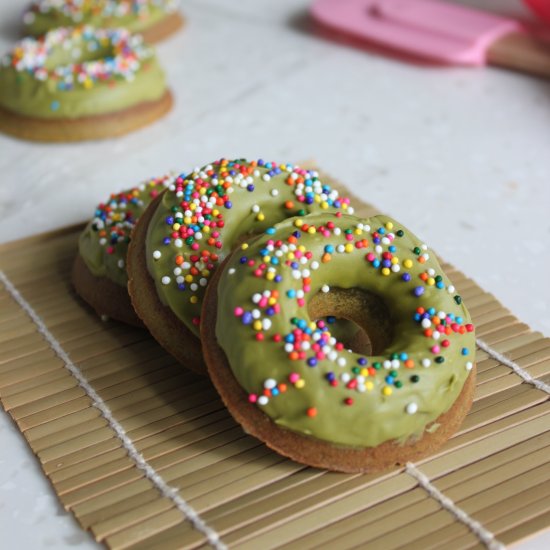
(138, 16)
(266, 305)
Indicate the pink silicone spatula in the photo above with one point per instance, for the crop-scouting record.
(438, 31)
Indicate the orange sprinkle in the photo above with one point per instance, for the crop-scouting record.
(311, 412)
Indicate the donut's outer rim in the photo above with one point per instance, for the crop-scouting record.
(104, 295)
(91, 127)
(309, 450)
(164, 28)
(167, 329)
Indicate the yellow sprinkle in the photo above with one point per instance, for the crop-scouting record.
(193, 299)
(257, 324)
(290, 255)
(348, 248)
(389, 225)
(215, 212)
(300, 383)
(311, 230)
(358, 231)
(317, 198)
(386, 271)
(270, 275)
(365, 372)
(408, 263)
(312, 325)
(88, 84)
(324, 205)
(271, 301)
(189, 278)
(206, 229)
(205, 273)
(266, 259)
(192, 206)
(302, 248)
(386, 390)
(431, 281)
(395, 260)
(202, 190)
(244, 246)
(299, 223)
(187, 220)
(176, 226)
(344, 206)
(369, 385)
(260, 217)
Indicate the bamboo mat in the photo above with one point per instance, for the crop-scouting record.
(179, 473)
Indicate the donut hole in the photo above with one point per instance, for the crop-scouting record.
(363, 320)
(78, 50)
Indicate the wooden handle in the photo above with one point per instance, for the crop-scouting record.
(521, 52)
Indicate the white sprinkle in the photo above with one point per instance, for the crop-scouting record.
(274, 192)
(341, 362)
(194, 287)
(340, 248)
(266, 324)
(165, 280)
(469, 365)
(314, 265)
(255, 209)
(256, 297)
(345, 377)
(451, 289)
(262, 400)
(426, 323)
(270, 383)
(325, 288)
(396, 268)
(289, 347)
(431, 272)
(120, 263)
(387, 364)
(411, 408)
(426, 363)
(157, 254)
(395, 364)
(178, 243)
(256, 314)
(231, 271)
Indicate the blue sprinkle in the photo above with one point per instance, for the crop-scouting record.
(312, 362)
(465, 351)
(270, 231)
(246, 318)
(406, 277)
(418, 291)
(274, 391)
(362, 361)
(228, 204)
(54, 105)
(291, 293)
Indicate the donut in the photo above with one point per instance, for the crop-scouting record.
(99, 269)
(80, 83)
(153, 19)
(291, 384)
(186, 232)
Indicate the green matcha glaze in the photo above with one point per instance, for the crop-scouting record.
(44, 15)
(103, 244)
(43, 79)
(202, 219)
(373, 409)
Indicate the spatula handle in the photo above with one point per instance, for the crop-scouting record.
(521, 52)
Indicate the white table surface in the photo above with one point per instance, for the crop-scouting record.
(460, 155)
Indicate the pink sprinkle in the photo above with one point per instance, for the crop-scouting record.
(195, 246)
(370, 257)
(293, 377)
(349, 237)
(252, 398)
(263, 302)
(435, 349)
(238, 311)
(307, 288)
(301, 302)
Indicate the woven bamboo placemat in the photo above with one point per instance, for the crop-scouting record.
(145, 455)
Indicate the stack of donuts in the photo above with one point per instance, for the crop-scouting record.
(82, 72)
(238, 269)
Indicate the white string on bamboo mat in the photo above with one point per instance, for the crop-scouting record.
(539, 384)
(483, 534)
(151, 474)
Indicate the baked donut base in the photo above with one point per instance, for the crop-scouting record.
(103, 295)
(101, 126)
(305, 449)
(167, 329)
(164, 28)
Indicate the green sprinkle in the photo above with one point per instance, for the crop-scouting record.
(398, 383)
(458, 299)
(440, 359)
(415, 378)
(417, 250)
(400, 233)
